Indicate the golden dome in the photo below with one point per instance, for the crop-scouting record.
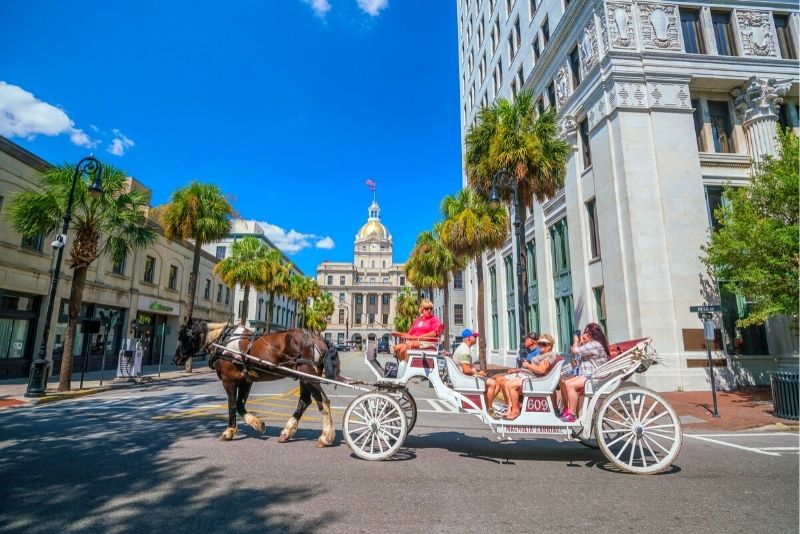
(373, 228)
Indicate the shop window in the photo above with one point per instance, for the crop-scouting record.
(692, 31)
(784, 35)
(723, 33)
(207, 290)
(149, 269)
(173, 277)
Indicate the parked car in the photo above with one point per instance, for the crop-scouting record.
(342, 347)
(383, 345)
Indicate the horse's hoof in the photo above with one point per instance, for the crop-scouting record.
(255, 423)
(228, 434)
(321, 444)
(283, 438)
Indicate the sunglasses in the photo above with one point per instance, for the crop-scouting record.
(543, 344)
(427, 309)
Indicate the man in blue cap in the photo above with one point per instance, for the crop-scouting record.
(463, 353)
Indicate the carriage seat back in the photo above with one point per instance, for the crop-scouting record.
(545, 384)
(460, 381)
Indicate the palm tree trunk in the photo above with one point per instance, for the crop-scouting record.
(269, 311)
(192, 293)
(479, 305)
(245, 305)
(75, 301)
(446, 312)
(523, 260)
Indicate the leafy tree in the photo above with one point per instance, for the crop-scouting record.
(201, 213)
(277, 280)
(407, 309)
(246, 266)
(756, 249)
(320, 310)
(470, 227)
(112, 223)
(302, 289)
(512, 136)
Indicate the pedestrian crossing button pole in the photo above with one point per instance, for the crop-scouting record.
(706, 314)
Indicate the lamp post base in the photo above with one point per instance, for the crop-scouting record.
(37, 378)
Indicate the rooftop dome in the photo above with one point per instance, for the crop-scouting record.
(374, 227)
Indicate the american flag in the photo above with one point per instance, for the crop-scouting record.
(371, 184)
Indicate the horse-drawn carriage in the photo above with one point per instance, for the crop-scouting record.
(634, 427)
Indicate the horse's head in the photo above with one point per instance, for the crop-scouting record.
(191, 340)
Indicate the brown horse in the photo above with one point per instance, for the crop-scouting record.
(296, 349)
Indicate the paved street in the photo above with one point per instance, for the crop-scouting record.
(144, 458)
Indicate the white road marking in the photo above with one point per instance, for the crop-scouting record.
(751, 449)
(746, 435)
(768, 451)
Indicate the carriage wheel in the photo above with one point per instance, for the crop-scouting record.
(638, 430)
(374, 426)
(409, 406)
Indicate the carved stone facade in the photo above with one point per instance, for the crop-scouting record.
(660, 26)
(759, 98)
(563, 84)
(617, 26)
(588, 49)
(638, 95)
(568, 130)
(756, 32)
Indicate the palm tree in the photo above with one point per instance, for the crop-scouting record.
(512, 136)
(406, 310)
(201, 213)
(246, 266)
(112, 223)
(301, 289)
(319, 312)
(470, 227)
(433, 263)
(277, 280)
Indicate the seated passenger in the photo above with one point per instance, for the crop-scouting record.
(463, 354)
(495, 384)
(532, 350)
(423, 334)
(592, 349)
(538, 366)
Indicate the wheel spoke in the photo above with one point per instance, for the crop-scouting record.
(655, 418)
(656, 443)
(647, 444)
(622, 418)
(641, 452)
(624, 446)
(619, 438)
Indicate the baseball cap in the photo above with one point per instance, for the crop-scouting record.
(467, 332)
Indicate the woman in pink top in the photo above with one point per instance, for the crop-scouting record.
(424, 333)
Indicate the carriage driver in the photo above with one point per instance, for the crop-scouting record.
(423, 334)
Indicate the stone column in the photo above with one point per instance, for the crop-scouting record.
(757, 105)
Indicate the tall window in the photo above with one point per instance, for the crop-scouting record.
(545, 32)
(532, 6)
(586, 149)
(723, 33)
(341, 316)
(551, 94)
(575, 67)
(341, 280)
(511, 316)
(173, 277)
(221, 252)
(373, 299)
(536, 50)
(330, 280)
(493, 303)
(385, 299)
(458, 313)
(149, 269)
(118, 265)
(698, 125)
(227, 295)
(402, 280)
(359, 299)
(341, 297)
(600, 302)
(784, 34)
(721, 126)
(33, 243)
(458, 280)
(219, 292)
(562, 283)
(533, 288)
(594, 231)
(207, 290)
(692, 31)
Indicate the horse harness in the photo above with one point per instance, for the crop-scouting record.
(226, 336)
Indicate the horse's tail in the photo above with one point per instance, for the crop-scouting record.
(330, 361)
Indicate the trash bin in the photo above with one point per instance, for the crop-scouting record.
(785, 392)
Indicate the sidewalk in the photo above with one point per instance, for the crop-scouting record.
(744, 409)
(12, 391)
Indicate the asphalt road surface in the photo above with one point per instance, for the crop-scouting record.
(148, 459)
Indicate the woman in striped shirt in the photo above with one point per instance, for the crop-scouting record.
(592, 351)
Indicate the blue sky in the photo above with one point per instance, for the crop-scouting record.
(288, 105)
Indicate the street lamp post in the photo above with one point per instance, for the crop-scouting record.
(507, 180)
(37, 378)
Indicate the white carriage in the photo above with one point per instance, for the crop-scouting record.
(636, 428)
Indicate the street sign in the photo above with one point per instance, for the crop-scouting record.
(705, 309)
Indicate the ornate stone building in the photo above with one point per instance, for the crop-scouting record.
(664, 104)
(364, 291)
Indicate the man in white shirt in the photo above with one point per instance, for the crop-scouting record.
(463, 353)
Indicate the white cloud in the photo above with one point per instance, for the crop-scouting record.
(372, 7)
(326, 243)
(293, 241)
(320, 7)
(24, 115)
(120, 143)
